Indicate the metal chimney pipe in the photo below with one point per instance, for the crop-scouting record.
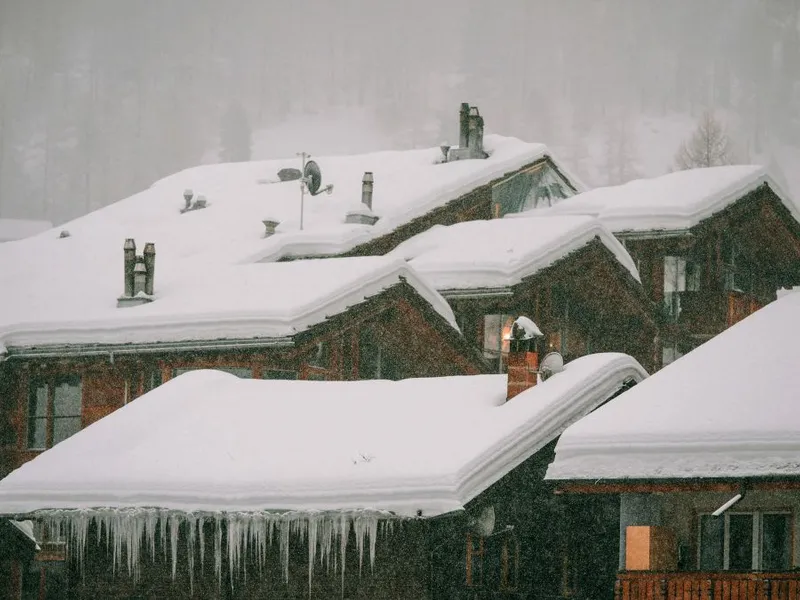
(367, 184)
(129, 250)
(463, 125)
(150, 265)
(139, 277)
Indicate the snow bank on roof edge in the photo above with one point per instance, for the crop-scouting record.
(501, 252)
(678, 200)
(717, 412)
(266, 307)
(338, 445)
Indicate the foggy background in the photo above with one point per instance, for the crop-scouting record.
(100, 98)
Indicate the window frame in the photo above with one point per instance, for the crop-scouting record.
(51, 383)
(757, 537)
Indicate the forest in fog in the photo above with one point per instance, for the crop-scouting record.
(100, 98)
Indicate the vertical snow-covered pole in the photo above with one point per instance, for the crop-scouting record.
(303, 184)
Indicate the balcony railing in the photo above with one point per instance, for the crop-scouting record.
(707, 586)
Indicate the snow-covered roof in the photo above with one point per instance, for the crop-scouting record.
(727, 409)
(675, 201)
(501, 252)
(17, 229)
(199, 442)
(273, 300)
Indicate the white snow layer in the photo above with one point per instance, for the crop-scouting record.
(501, 252)
(674, 201)
(17, 229)
(727, 409)
(238, 302)
(62, 280)
(210, 441)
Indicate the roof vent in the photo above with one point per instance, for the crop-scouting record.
(64, 234)
(199, 203)
(269, 227)
(363, 215)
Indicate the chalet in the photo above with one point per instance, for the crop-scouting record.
(711, 245)
(18, 229)
(77, 356)
(704, 457)
(568, 272)
(415, 489)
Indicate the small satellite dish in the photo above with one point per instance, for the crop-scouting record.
(313, 177)
(483, 525)
(551, 364)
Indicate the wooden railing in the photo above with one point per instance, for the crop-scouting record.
(707, 586)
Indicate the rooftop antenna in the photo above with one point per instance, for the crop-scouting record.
(311, 181)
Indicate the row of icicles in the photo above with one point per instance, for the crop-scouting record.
(130, 532)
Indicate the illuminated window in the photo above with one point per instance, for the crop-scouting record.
(538, 186)
(54, 410)
(496, 336)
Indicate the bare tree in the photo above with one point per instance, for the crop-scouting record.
(709, 146)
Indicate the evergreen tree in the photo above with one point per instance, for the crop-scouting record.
(235, 135)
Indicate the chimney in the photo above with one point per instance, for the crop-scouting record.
(523, 359)
(150, 265)
(129, 249)
(367, 184)
(139, 277)
(476, 134)
(187, 198)
(463, 125)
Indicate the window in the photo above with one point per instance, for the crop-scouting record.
(745, 541)
(376, 361)
(54, 410)
(670, 352)
(680, 275)
(536, 187)
(493, 562)
(496, 336)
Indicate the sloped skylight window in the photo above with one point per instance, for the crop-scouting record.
(537, 187)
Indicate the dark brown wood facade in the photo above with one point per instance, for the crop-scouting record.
(393, 335)
(730, 265)
(584, 303)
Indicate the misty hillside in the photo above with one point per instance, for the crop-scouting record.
(100, 98)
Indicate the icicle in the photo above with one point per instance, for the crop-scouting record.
(234, 545)
(372, 533)
(201, 527)
(163, 527)
(174, 530)
(190, 551)
(218, 549)
(283, 527)
(150, 532)
(313, 522)
(344, 532)
(359, 530)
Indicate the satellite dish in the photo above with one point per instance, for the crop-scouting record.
(313, 177)
(483, 525)
(551, 364)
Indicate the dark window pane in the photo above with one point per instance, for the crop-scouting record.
(775, 542)
(67, 397)
(38, 400)
(740, 542)
(368, 356)
(152, 379)
(712, 532)
(37, 433)
(63, 427)
(321, 355)
(279, 374)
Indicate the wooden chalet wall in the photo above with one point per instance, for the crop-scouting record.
(768, 241)
(584, 303)
(412, 339)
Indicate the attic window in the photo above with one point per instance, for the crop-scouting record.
(536, 187)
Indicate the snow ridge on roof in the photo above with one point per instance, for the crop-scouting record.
(719, 411)
(501, 252)
(675, 201)
(198, 443)
(240, 302)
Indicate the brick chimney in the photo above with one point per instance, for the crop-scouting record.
(523, 359)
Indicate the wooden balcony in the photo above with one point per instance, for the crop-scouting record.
(651, 585)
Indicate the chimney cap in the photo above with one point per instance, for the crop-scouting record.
(139, 268)
(149, 248)
(188, 193)
(525, 329)
(368, 177)
(130, 244)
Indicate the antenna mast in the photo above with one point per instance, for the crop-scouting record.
(303, 184)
